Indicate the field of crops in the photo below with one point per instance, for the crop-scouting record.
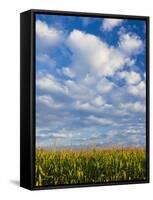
(55, 167)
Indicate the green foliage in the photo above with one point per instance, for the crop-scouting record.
(89, 166)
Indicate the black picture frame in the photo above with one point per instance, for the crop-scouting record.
(27, 97)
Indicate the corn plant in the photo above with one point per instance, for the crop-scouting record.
(56, 167)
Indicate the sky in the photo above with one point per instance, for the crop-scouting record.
(90, 81)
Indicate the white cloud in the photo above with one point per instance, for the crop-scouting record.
(130, 43)
(49, 83)
(83, 106)
(134, 107)
(130, 77)
(104, 86)
(98, 101)
(76, 90)
(58, 136)
(68, 72)
(49, 101)
(61, 135)
(45, 59)
(89, 80)
(99, 121)
(94, 55)
(40, 130)
(109, 24)
(48, 35)
(138, 90)
(130, 62)
(97, 105)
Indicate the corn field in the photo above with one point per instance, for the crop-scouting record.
(56, 167)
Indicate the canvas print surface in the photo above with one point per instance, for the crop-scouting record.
(90, 100)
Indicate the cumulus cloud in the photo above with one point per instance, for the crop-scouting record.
(94, 54)
(55, 139)
(97, 57)
(47, 36)
(108, 24)
(45, 59)
(138, 90)
(97, 105)
(77, 90)
(98, 101)
(104, 85)
(99, 121)
(131, 77)
(49, 83)
(49, 101)
(83, 106)
(130, 43)
(61, 135)
(134, 107)
(68, 72)
(89, 80)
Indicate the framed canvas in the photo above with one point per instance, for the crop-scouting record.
(84, 99)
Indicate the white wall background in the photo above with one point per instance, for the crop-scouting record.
(9, 98)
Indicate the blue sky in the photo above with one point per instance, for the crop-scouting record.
(90, 81)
